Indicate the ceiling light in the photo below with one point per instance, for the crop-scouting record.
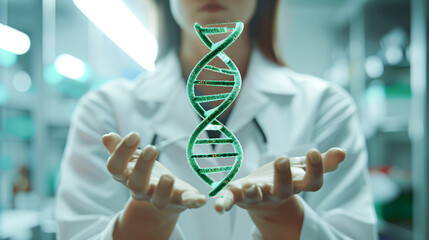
(13, 40)
(70, 67)
(116, 20)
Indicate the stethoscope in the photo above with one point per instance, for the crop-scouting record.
(161, 145)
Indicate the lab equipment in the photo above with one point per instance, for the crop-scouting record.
(209, 122)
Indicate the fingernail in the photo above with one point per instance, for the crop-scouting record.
(148, 153)
(315, 158)
(221, 211)
(131, 139)
(251, 190)
(186, 204)
(165, 181)
(107, 135)
(283, 164)
(200, 201)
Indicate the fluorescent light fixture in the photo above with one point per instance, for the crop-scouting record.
(13, 40)
(70, 66)
(118, 22)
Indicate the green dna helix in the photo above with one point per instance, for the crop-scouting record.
(209, 122)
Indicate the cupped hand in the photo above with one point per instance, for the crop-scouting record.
(147, 179)
(273, 184)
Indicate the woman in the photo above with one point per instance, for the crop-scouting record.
(278, 113)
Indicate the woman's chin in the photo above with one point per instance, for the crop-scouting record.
(211, 18)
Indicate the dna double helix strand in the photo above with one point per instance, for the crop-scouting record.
(209, 122)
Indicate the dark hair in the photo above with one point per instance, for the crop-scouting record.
(265, 37)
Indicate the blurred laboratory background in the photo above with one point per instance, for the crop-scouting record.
(53, 52)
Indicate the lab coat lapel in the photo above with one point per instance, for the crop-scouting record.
(263, 80)
(176, 118)
(165, 90)
(250, 100)
(249, 103)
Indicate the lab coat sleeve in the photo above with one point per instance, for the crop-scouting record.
(88, 199)
(343, 207)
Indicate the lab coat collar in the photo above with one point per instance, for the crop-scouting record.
(268, 77)
(263, 80)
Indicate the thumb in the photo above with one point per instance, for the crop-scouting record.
(332, 158)
(111, 140)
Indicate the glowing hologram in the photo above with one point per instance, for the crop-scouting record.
(209, 121)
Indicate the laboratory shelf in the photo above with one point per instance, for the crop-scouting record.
(382, 28)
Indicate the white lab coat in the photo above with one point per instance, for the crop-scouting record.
(296, 112)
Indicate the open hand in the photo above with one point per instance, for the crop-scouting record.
(147, 179)
(273, 184)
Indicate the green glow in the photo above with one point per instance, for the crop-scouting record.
(72, 88)
(6, 162)
(4, 94)
(7, 59)
(22, 127)
(51, 75)
(209, 121)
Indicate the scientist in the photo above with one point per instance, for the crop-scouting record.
(121, 191)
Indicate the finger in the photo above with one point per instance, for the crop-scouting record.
(228, 198)
(332, 158)
(139, 179)
(192, 199)
(282, 188)
(251, 194)
(162, 195)
(111, 141)
(298, 162)
(313, 179)
(119, 158)
(224, 202)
